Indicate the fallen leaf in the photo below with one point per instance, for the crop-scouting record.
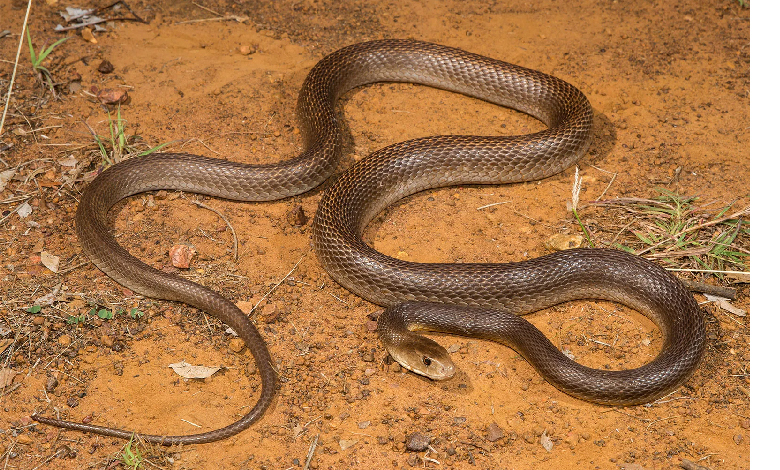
(70, 161)
(71, 13)
(724, 303)
(24, 210)
(7, 377)
(86, 33)
(347, 443)
(5, 177)
(181, 255)
(547, 443)
(50, 261)
(193, 372)
(49, 298)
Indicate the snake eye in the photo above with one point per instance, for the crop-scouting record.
(427, 360)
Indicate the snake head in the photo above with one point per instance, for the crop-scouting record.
(423, 356)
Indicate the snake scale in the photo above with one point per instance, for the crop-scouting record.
(388, 175)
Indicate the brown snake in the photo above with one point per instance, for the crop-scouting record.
(384, 177)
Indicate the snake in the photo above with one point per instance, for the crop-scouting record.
(376, 181)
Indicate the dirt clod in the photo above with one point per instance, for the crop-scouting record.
(494, 432)
(105, 67)
(417, 442)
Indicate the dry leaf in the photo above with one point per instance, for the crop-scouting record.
(347, 443)
(5, 177)
(50, 261)
(48, 299)
(24, 210)
(70, 161)
(193, 372)
(181, 255)
(86, 33)
(7, 377)
(547, 443)
(724, 303)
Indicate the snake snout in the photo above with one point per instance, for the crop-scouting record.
(425, 357)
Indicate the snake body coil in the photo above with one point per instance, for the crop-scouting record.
(371, 185)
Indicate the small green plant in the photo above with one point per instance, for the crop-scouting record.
(117, 146)
(75, 319)
(34, 309)
(683, 234)
(37, 60)
(103, 313)
(131, 456)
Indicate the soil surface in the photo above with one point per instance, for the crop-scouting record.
(669, 83)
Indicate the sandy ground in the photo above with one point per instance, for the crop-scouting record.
(669, 83)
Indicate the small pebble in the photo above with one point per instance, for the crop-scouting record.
(72, 402)
(245, 306)
(105, 67)
(51, 383)
(246, 50)
(236, 345)
(561, 241)
(524, 386)
(65, 340)
(111, 96)
(417, 442)
(494, 432)
(107, 341)
(38, 320)
(738, 439)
